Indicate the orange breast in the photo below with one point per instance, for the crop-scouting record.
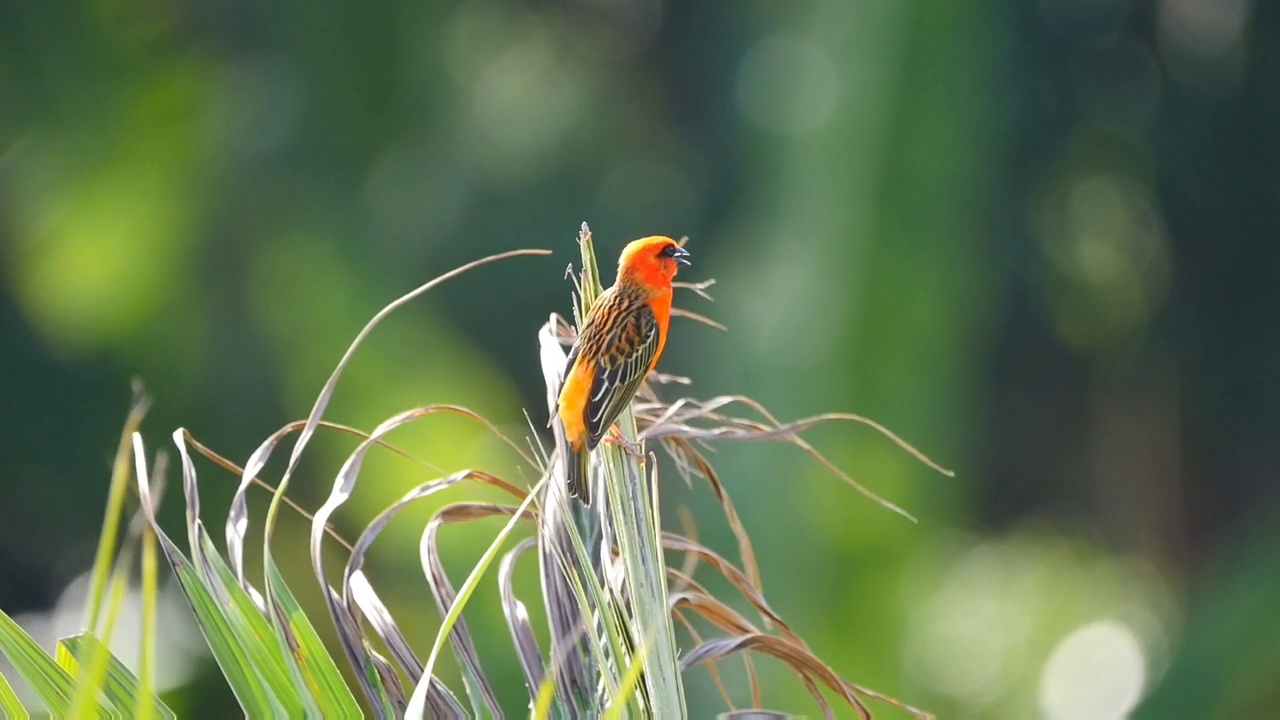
(661, 306)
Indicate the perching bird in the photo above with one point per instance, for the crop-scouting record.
(620, 342)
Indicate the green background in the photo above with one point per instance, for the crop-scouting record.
(1032, 238)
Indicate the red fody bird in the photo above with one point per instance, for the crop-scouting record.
(620, 342)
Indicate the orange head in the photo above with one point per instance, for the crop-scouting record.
(652, 261)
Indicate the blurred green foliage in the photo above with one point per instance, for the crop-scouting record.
(1033, 238)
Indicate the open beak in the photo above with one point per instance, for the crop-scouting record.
(682, 256)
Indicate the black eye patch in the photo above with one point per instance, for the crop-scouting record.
(675, 251)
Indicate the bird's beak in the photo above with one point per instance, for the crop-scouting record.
(682, 256)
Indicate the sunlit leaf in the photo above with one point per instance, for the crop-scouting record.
(51, 683)
(318, 670)
(121, 688)
(114, 515)
(233, 660)
(10, 705)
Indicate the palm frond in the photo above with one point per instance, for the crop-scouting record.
(611, 602)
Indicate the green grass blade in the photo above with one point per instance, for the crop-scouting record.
(10, 705)
(315, 665)
(261, 642)
(234, 661)
(54, 685)
(630, 684)
(631, 493)
(591, 286)
(546, 696)
(121, 688)
(591, 595)
(390, 689)
(361, 657)
(483, 700)
(356, 588)
(350, 634)
(253, 632)
(247, 685)
(417, 702)
(326, 392)
(147, 652)
(92, 669)
(114, 514)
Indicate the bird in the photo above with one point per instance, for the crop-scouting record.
(620, 341)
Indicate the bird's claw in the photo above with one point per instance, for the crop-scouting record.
(615, 438)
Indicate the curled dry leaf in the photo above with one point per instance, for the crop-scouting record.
(594, 627)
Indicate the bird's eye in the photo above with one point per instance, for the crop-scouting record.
(675, 252)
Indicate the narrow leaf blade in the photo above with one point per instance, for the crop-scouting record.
(254, 697)
(260, 641)
(122, 687)
(316, 666)
(10, 705)
(54, 685)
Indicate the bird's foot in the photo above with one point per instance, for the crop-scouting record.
(615, 438)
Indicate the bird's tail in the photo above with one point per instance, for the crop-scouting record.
(576, 465)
